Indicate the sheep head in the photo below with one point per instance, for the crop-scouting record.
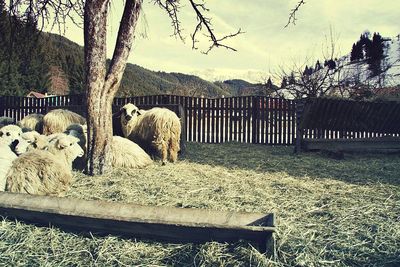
(129, 115)
(10, 133)
(129, 112)
(66, 145)
(30, 141)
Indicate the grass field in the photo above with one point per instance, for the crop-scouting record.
(330, 213)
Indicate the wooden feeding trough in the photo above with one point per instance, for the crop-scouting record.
(148, 222)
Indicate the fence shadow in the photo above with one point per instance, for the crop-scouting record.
(355, 169)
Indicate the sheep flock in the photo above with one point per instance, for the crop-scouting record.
(39, 152)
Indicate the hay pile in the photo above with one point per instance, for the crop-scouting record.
(330, 213)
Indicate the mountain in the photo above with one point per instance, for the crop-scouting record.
(239, 87)
(370, 70)
(360, 70)
(136, 80)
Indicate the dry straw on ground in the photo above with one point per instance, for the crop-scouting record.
(330, 213)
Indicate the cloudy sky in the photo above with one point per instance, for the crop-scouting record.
(265, 46)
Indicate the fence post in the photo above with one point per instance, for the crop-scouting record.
(255, 106)
(299, 132)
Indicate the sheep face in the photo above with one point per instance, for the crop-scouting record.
(30, 141)
(129, 112)
(68, 145)
(10, 133)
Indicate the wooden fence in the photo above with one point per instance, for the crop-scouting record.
(320, 118)
(249, 119)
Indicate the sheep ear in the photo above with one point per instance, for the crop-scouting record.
(1, 134)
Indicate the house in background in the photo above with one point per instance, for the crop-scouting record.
(38, 95)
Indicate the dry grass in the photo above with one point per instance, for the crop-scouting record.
(330, 213)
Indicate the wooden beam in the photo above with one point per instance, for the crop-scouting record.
(149, 222)
(388, 143)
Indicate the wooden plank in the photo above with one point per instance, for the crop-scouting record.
(256, 102)
(355, 144)
(212, 115)
(130, 220)
(203, 129)
(217, 120)
(189, 112)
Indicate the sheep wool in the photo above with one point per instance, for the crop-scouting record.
(10, 133)
(32, 122)
(157, 128)
(127, 154)
(6, 159)
(58, 120)
(30, 141)
(45, 172)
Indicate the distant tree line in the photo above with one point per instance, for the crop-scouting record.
(370, 50)
(28, 55)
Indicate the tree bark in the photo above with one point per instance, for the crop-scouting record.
(102, 85)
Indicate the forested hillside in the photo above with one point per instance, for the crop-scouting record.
(50, 63)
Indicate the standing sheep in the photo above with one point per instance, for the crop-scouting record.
(157, 128)
(45, 172)
(57, 121)
(6, 159)
(32, 122)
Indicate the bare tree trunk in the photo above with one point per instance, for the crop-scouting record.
(102, 85)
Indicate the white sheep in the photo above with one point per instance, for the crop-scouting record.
(127, 154)
(31, 140)
(45, 172)
(10, 133)
(158, 129)
(32, 122)
(57, 121)
(7, 156)
(124, 153)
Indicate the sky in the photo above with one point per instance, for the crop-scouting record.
(264, 48)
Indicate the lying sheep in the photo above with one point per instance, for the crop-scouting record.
(10, 133)
(124, 153)
(7, 156)
(79, 131)
(57, 121)
(6, 121)
(29, 141)
(32, 122)
(157, 128)
(45, 172)
(127, 154)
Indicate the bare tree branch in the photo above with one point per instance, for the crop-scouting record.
(172, 8)
(292, 16)
(206, 22)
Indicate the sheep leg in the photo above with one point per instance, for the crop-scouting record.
(164, 153)
(173, 151)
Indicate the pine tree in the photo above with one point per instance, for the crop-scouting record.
(284, 83)
(318, 66)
